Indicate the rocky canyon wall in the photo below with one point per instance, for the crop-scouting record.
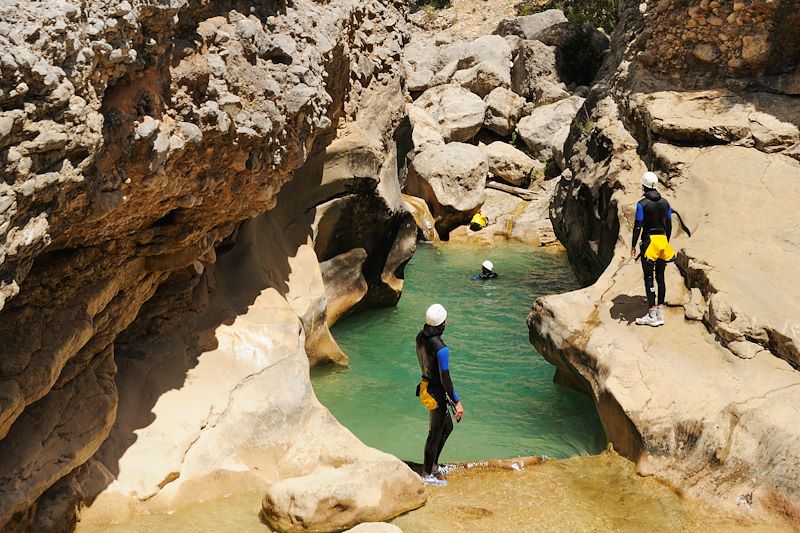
(141, 142)
(704, 93)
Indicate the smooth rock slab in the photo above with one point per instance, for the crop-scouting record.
(451, 180)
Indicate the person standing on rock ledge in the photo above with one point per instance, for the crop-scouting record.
(436, 392)
(654, 223)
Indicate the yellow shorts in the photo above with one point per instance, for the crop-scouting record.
(659, 249)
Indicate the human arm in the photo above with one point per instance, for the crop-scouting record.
(668, 224)
(637, 228)
(443, 356)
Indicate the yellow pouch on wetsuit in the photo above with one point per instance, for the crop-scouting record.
(425, 398)
(659, 249)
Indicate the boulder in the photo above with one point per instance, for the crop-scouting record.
(485, 66)
(546, 92)
(332, 498)
(529, 26)
(538, 130)
(423, 60)
(512, 218)
(503, 109)
(480, 65)
(557, 146)
(560, 35)
(457, 112)
(509, 164)
(344, 281)
(426, 225)
(534, 62)
(424, 130)
(451, 180)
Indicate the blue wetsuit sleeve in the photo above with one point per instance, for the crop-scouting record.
(637, 224)
(669, 223)
(443, 355)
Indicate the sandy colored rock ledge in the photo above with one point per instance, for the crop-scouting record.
(708, 401)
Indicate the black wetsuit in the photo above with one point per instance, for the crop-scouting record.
(653, 217)
(433, 356)
(486, 274)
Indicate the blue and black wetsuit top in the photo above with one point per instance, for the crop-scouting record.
(433, 356)
(653, 217)
(485, 274)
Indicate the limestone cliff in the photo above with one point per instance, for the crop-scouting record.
(136, 139)
(704, 93)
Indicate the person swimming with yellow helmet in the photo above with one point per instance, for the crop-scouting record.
(654, 223)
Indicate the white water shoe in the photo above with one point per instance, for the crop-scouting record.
(443, 470)
(433, 480)
(649, 320)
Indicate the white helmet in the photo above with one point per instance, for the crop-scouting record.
(488, 265)
(649, 180)
(435, 315)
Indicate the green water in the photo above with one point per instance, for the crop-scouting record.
(511, 405)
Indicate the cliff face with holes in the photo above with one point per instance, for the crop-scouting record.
(706, 94)
(135, 141)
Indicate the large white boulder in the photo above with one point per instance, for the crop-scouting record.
(424, 129)
(457, 113)
(539, 129)
(535, 62)
(451, 179)
(529, 27)
(332, 498)
(503, 109)
(509, 164)
(480, 65)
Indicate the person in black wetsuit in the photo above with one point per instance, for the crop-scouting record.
(436, 391)
(487, 271)
(654, 223)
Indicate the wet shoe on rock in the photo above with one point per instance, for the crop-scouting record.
(433, 480)
(649, 320)
(443, 470)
